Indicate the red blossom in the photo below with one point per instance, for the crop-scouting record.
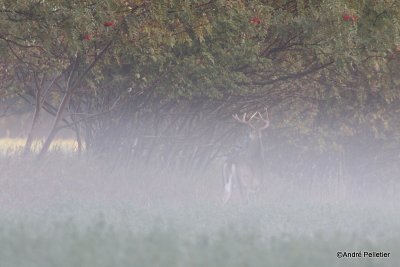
(348, 17)
(255, 21)
(87, 37)
(108, 23)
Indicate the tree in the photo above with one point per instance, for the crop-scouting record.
(328, 70)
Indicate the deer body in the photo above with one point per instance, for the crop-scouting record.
(244, 168)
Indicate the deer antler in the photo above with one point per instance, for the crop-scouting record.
(265, 121)
(243, 120)
(236, 117)
(252, 116)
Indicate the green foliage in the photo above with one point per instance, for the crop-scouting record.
(214, 42)
(339, 55)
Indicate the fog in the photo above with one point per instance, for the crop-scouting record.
(307, 206)
(67, 186)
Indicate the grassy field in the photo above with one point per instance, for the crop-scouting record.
(70, 210)
(13, 145)
(141, 239)
(102, 244)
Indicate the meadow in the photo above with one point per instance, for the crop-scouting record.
(79, 210)
(11, 146)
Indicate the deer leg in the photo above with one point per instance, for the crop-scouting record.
(252, 196)
(229, 172)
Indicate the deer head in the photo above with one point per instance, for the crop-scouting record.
(256, 122)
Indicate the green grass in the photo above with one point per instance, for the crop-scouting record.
(66, 210)
(102, 244)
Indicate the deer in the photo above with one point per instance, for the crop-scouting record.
(244, 168)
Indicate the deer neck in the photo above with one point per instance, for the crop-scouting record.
(254, 149)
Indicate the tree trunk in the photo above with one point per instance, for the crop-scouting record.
(54, 130)
(38, 107)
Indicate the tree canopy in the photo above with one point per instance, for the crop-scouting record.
(327, 69)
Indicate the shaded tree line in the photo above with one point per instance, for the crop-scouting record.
(159, 82)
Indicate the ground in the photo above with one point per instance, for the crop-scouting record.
(69, 210)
